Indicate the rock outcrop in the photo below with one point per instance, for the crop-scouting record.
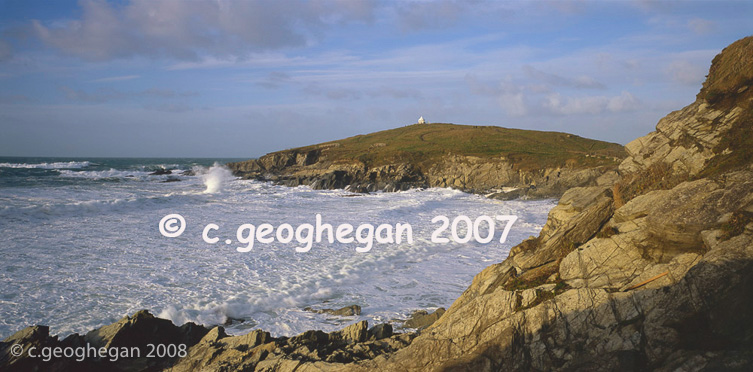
(504, 175)
(192, 348)
(651, 270)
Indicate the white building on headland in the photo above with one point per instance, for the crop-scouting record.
(421, 120)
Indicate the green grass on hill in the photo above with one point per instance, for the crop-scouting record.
(423, 144)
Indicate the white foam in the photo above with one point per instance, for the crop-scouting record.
(55, 165)
(215, 177)
(117, 173)
(82, 256)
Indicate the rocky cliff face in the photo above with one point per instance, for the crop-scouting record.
(649, 271)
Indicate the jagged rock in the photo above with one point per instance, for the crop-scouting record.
(160, 172)
(380, 331)
(136, 331)
(578, 216)
(343, 311)
(602, 263)
(355, 332)
(422, 319)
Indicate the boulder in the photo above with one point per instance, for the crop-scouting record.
(380, 331)
(422, 319)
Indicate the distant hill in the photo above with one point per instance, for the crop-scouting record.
(426, 143)
(471, 158)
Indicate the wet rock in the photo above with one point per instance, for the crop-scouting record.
(344, 311)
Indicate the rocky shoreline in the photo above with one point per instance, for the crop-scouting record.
(500, 177)
(651, 269)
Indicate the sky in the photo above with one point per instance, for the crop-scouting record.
(191, 78)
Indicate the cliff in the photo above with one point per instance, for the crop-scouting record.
(479, 159)
(650, 271)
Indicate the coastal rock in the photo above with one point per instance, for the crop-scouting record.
(132, 332)
(580, 213)
(343, 311)
(383, 167)
(311, 350)
(357, 332)
(422, 319)
(380, 331)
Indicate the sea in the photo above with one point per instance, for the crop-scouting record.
(81, 246)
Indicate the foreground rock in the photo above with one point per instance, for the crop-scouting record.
(195, 348)
(134, 332)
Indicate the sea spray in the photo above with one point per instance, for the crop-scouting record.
(215, 177)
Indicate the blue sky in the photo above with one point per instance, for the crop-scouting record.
(243, 78)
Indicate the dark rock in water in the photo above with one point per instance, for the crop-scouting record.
(172, 179)
(348, 311)
(510, 195)
(189, 172)
(161, 172)
(422, 319)
(362, 189)
(345, 311)
(231, 321)
(380, 331)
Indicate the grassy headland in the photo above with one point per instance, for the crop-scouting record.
(424, 144)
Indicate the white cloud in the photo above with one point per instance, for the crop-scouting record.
(514, 104)
(185, 30)
(685, 72)
(556, 104)
(701, 26)
(580, 82)
(624, 102)
(108, 94)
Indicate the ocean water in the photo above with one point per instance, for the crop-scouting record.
(81, 247)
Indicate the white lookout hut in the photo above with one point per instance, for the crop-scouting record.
(421, 120)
